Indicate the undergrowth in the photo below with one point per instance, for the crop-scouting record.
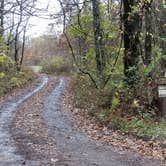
(116, 107)
(10, 78)
(58, 65)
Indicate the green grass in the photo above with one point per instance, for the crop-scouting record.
(140, 127)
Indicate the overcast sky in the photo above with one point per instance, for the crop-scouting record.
(39, 25)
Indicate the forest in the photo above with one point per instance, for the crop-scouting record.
(112, 51)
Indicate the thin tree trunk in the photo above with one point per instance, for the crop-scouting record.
(1, 17)
(23, 48)
(16, 40)
(99, 43)
(148, 35)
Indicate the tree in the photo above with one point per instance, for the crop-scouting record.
(148, 32)
(99, 41)
(15, 15)
(132, 27)
(161, 13)
(1, 17)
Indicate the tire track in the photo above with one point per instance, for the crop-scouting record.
(8, 153)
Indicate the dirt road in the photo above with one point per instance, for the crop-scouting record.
(34, 131)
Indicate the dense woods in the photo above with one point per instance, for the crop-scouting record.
(110, 36)
(118, 50)
(114, 50)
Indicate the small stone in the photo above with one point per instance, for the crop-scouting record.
(54, 160)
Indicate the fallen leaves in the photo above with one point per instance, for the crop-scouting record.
(30, 133)
(105, 135)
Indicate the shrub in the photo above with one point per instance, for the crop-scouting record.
(10, 78)
(6, 64)
(57, 65)
(98, 102)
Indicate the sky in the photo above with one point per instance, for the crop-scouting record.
(39, 26)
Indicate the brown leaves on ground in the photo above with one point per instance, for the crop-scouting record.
(30, 133)
(81, 120)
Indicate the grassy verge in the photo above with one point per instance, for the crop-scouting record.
(144, 128)
(11, 80)
(114, 108)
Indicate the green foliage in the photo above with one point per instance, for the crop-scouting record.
(100, 102)
(145, 128)
(3, 47)
(119, 106)
(115, 103)
(146, 88)
(6, 64)
(57, 65)
(82, 31)
(14, 79)
(9, 77)
(84, 92)
(155, 65)
(128, 103)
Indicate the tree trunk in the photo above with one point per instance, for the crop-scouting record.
(16, 39)
(23, 46)
(148, 35)
(98, 38)
(162, 34)
(132, 28)
(1, 17)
